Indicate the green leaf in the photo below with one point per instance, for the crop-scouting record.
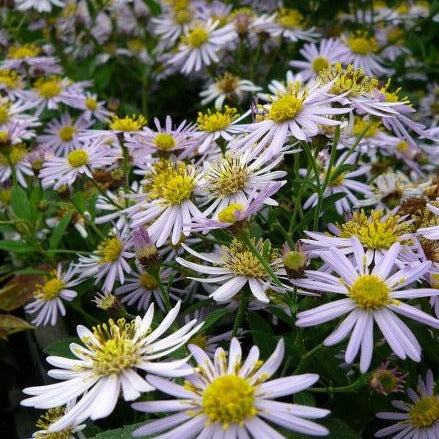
(62, 348)
(20, 203)
(10, 324)
(153, 6)
(305, 398)
(79, 200)
(120, 433)
(59, 230)
(16, 246)
(214, 317)
(257, 323)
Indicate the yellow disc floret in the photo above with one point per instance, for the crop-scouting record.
(25, 51)
(425, 412)
(66, 133)
(147, 281)
(4, 111)
(367, 128)
(77, 158)
(9, 78)
(164, 141)
(361, 44)
(289, 18)
(178, 189)
(229, 399)
(49, 418)
(320, 63)
(16, 155)
(48, 87)
(91, 103)
(50, 290)
(375, 232)
(110, 250)
(128, 123)
(216, 121)
(228, 214)
(116, 349)
(196, 37)
(370, 292)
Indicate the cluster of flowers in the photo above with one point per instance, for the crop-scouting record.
(189, 216)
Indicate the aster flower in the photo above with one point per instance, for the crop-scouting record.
(234, 266)
(13, 113)
(386, 380)
(371, 296)
(227, 87)
(11, 83)
(297, 114)
(59, 135)
(109, 260)
(38, 5)
(107, 363)
(48, 297)
(237, 179)
(233, 398)
(319, 57)
(167, 203)
(81, 160)
(433, 231)
(91, 106)
(418, 418)
(15, 159)
(200, 46)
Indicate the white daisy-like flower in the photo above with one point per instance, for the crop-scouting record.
(232, 397)
(237, 179)
(86, 156)
(417, 419)
(109, 261)
(234, 266)
(298, 113)
(11, 83)
(286, 23)
(13, 113)
(16, 158)
(108, 363)
(200, 45)
(90, 105)
(48, 297)
(360, 51)
(59, 135)
(371, 296)
(227, 87)
(167, 204)
(320, 57)
(38, 5)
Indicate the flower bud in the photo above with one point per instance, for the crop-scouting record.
(146, 251)
(295, 261)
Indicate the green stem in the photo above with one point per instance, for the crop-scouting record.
(155, 273)
(241, 311)
(305, 359)
(351, 388)
(93, 182)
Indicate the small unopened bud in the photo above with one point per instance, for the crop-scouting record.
(107, 301)
(385, 380)
(146, 251)
(295, 261)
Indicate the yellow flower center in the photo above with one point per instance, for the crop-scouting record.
(164, 141)
(116, 349)
(133, 123)
(91, 104)
(360, 125)
(374, 232)
(320, 63)
(4, 112)
(229, 399)
(243, 262)
(182, 11)
(51, 289)
(425, 412)
(227, 215)
(49, 418)
(216, 121)
(16, 154)
(290, 18)
(395, 35)
(196, 37)
(110, 250)
(66, 133)
(402, 146)
(369, 292)
(228, 83)
(361, 44)
(48, 87)
(147, 281)
(295, 260)
(9, 78)
(178, 189)
(4, 136)
(135, 45)
(227, 177)
(285, 108)
(350, 80)
(25, 51)
(77, 158)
